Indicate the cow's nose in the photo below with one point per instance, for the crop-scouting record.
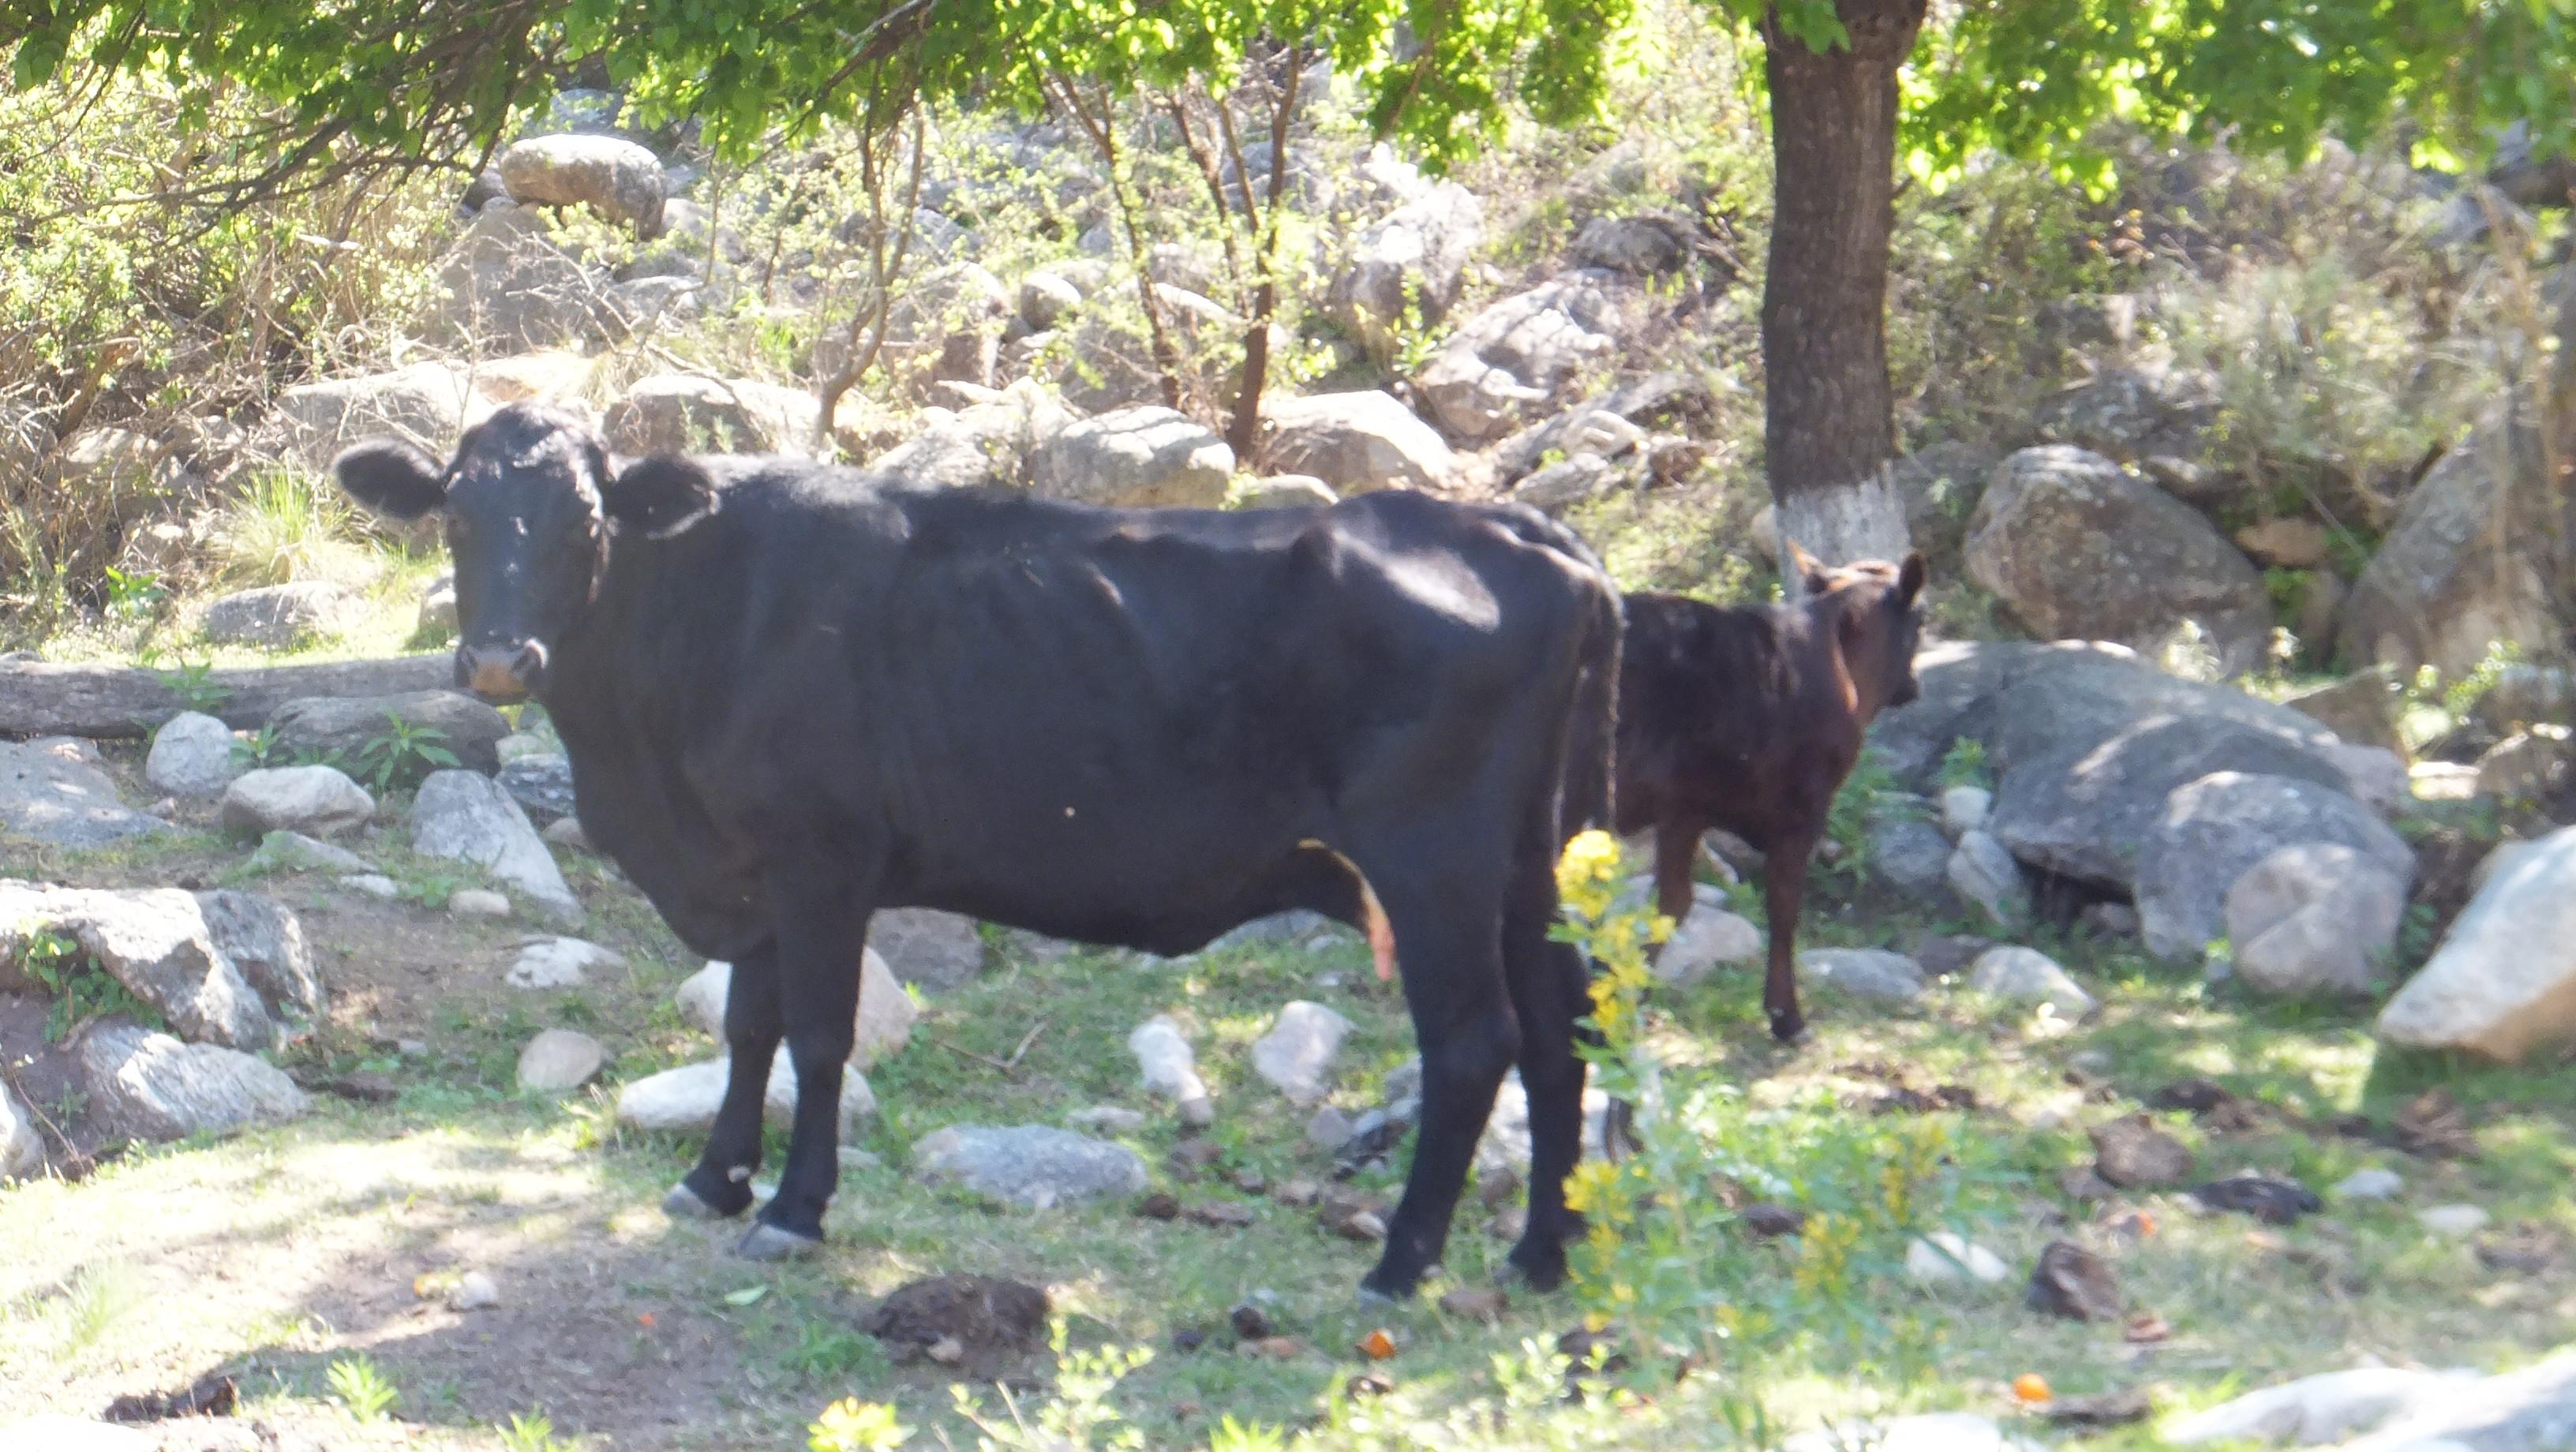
(501, 672)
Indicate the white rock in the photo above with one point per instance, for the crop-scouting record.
(320, 800)
(192, 756)
(1164, 1060)
(2455, 1221)
(2313, 917)
(1947, 1258)
(22, 1149)
(559, 1059)
(1297, 1053)
(566, 832)
(466, 816)
(474, 1291)
(151, 1086)
(2371, 1184)
(521, 743)
(1872, 974)
(295, 852)
(1137, 457)
(1706, 938)
(2504, 980)
(377, 885)
(2519, 1411)
(1109, 1117)
(686, 1098)
(476, 902)
(1034, 1165)
(1964, 809)
(885, 1015)
(2026, 975)
(701, 997)
(1983, 871)
(558, 963)
(2317, 1409)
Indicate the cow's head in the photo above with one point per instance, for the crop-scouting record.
(531, 502)
(1874, 607)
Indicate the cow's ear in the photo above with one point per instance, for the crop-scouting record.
(1909, 577)
(390, 477)
(1813, 577)
(661, 496)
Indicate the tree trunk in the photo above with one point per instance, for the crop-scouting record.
(112, 701)
(1829, 414)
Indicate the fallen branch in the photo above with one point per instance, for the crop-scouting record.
(1010, 1067)
(116, 701)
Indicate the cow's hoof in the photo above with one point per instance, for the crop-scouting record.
(1541, 1267)
(1382, 1286)
(1788, 1028)
(684, 1203)
(765, 1241)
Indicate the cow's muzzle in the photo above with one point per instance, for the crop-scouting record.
(501, 673)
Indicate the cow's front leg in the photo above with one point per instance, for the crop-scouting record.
(822, 931)
(720, 1186)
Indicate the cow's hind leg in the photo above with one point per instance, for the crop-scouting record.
(1784, 884)
(1547, 981)
(822, 931)
(720, 1186)
(1447, 933)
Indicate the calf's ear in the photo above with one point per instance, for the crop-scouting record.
(1909, 577)
(390, 477)
(1813, 577)
(660, 496)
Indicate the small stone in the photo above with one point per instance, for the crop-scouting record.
(381, 887)
(1222, 1214)
(192, 756)
(1251, 1182)
(2079, 1182)
(1983, 871)
(1297, 1192)
(1191, 1156)
(559, 1059)
(1297, 1053)
(1964, 809)
(558, 963)
(476, 902)
(320, 800)
(1251, 1323)
(295, 852)
(1158, 1206)
(1027, 1163)
(1329, 1129)
(1767, 1221)
(1198, 1113)
(2454, 1221)
(1476, 1303)
(474, 1291)
(2272, 1201)
(947, 1351)
(2074, 1283)
(520, 743)
(566, 832)
(1187, 1339)
(1165, 1062)
(1871, 974)
(1109, 1117)
(2134, 1154)
(1706, 938)
(2370, 1184)
(2026, 975)
(1277, 1348)
(1945, 1258)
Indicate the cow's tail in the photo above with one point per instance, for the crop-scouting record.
(1590, 775)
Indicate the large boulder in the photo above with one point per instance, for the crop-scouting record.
(1034, 1165)
(933, 951)
(2213, 830)
(347, 725)
(505, 288)
(156, 942)
(275, 617)
(2161, 421)
(466, 816)
(1407, 267)
(150, 1086)
(192, 756)
(541, 784)
(1140, 456)
(22, 1148)
(2503, 982)
(686, 1098)
(1513, 359)
(2454, 575)
(1611, 423)
(265, 944)
(1356, 442)
(52, 791)
(1641, 246)
(2076, 546)
(618, 179)
(424, 403)
(320, 801)
(882, 1027)
(2313, 917)
(678, 413)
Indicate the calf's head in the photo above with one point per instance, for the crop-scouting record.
(532, 504)
(1874, 609)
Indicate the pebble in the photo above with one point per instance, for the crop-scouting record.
(947, 1351)
(2454, 1220)
(1329, 1129)
(2371, 1184)
(373, 884)
(1945, 1258)
(476, 902)
(1109, 1117)
(474, 1291)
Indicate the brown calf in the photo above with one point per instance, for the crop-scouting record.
(1749, 719)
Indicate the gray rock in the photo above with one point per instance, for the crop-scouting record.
(2318, 1409)
(348, 725)
(2215, 828)
(317, 800)
(476, 902)
(437, 618)
(2455, 573)
(383, 888)
(1034, 1165)
(1964, 808)
(2026, 975)
(1413, 260)
(1707, 937)
(557, 1060)
(467, 817)
(1330, 1128)
(676, 413)
(2159, 420)
(275, 617)
(506, 288)
(933, 951)
(192, 756)
(1297, 1053)
(1045, 300)
(881, 1027)
(265, 944)
(1142, 456)
(541, 785)
(2075, 546)
(1983, 871)
(2526, 766)
(150, 1086)
(1505, 1144)
(423, 404)
(2370, 1184)
(1166, 1063)
(566, 832)
(2500, 984)
(2531, 1410)
(1356, 442)
(1107, 1118)
(1288, 491)
(686, 1098)
(558, 963)
(1613, 424)
(2313, 917)
(1912, 856)
(1641, 246)
(1287, 927)
(616, 178)
(156, 942)
(22, 1148)
(1516, 356)
(1870, 974)
(1930, 1432)
(2290, 542)
(519, 745)
(1566, 483)
(50, 793)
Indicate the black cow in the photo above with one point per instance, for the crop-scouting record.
(1749, 719)
(794, 694)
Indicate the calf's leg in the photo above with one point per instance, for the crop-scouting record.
(1784, 881)
(822, 931)
(1676, 847)
(1547, 981)
(720, 1185)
